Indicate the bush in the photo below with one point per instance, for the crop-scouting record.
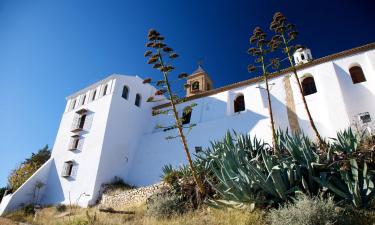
(305, 211)
(27, 168)
(29, 209)
(2, 192)
(164, 205)
(118, 183)
(60, 208)
(353, 216)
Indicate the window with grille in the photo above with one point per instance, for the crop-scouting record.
(67, 169)
(79, 120)
(365, 118)
(75, 143)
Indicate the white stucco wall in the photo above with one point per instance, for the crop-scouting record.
(120, 138)
(27, 193)
(80, 187)
(333, 107)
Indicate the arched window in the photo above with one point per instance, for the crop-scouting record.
(302, 56)
(308, 86)
(239, 104)
(125, 92)
(93, 96)
(105, 89)
(186, 115)
(138, 100)
(357, 75)
(195, 86)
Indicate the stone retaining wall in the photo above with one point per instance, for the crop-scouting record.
(118, 199)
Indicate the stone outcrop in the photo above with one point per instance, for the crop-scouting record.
(117, 198)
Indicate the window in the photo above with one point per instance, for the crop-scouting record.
(365, 117)
(125, 92)
(93, 96)
(83, 100)
(105, 89)
(308, 86)
(195, 86)
(73, 104)
(186, 115)
(74, 144)
(138, 100)
(79, 120)
(68, 168)
(302, 56)
(239, 104)
(82, 121)
(357, 74)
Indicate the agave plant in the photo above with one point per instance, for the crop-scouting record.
(346, 142)
(248, 173)
(352, 184)
(304, 153)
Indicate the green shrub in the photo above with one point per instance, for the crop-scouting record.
(243, 171)
(118, 183)
(305, 211)
(248, 173)
(27, 168)
(351, 183)
(60, 208)
(2, 192)
(353, 216)
(164, 205)
(28, 209)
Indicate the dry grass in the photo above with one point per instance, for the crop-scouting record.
(4, 221)
(48, 216)
(207, 216)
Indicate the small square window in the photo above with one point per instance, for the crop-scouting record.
(365, 117)
(75, 143)
(67, 169)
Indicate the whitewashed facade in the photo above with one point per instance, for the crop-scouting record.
(118, 138)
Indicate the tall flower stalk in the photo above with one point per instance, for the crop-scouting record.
(160, 56)
(259, 50)
(286, 33)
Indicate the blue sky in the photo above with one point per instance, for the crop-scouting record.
(50, 49)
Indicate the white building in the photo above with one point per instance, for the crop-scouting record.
(108, 130)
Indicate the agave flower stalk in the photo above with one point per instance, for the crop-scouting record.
(161, 56)
(260, 50)
(285, 33)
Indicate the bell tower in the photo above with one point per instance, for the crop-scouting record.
(302, 55)
(199, 81)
